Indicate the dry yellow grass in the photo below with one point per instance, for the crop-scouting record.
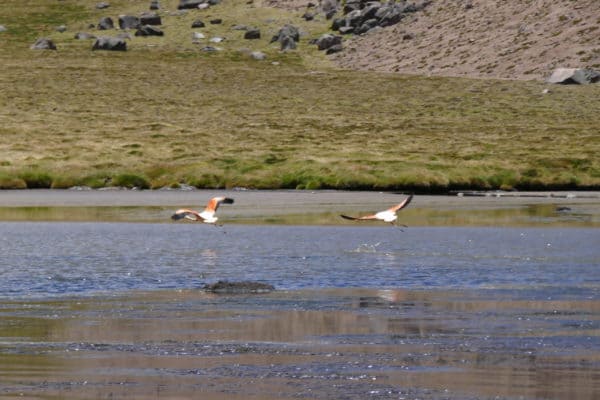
(167, 113)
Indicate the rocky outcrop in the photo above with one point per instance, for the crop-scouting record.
(110, 43)
(360, 16)
(574, 76)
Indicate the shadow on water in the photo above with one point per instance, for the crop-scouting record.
(325, 344)
(528, 215)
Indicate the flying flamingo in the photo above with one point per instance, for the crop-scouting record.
(388, 215)
(207, 216)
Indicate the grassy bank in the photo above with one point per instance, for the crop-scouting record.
(166, 113)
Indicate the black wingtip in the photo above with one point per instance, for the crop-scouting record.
(347, 217)
(176, 216)
(228, 200)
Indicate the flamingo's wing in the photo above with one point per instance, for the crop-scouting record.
(215, 202)
(366, 217)
(401, 205)
(185, 213)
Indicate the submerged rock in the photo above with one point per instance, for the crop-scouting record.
(238, 287)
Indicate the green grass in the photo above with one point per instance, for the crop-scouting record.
(166, 113)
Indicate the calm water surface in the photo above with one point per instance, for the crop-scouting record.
(114, 310)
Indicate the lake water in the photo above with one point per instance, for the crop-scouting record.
(115, 310)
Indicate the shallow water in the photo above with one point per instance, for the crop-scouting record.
(115, 310)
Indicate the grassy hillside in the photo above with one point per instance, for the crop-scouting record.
(167, 113)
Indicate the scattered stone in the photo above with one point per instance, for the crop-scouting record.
(327, 40)
(203, 6)
(209, 49)
(239, 28)
(579, 76)
(308, 16)
(110, 43)
(154, 5)
(197, 35)
(287, 36)
(105, 24)
(3, 28)
(150, 18)
(129, 22)
(148, 30)
(187, 4)
(216, 39)
(102, 5)
(253, 33)
(84, 36)
(61, 28)
(242, 287)
(258, 55)
(198, 24)
(43, 44)
(216, 21)
(336, 48)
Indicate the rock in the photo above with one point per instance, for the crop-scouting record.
(366, 26)
(61, 28)
(258, 55)
(2, 28)
(288, 43)
(239, 28)
(287, 31)
(84, 36)
(216, 21)
(198, 24)
(43, 44)
(150, 18)
(124, 35)
(203, 6)
(102, 5)
(183, 4)
(574, 76)
(106, 23)
(197, 36)
(345, 30)
(216, 39)
(110, 43)
(209, 49)
(155, 5)
(242, 287)
(148, 30)
(336, 48)
(253, 33)
(308, 16)
(327, 40)
(129, 22)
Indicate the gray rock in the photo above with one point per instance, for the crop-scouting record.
(574, 76)
(148, 30)
(183, 4)
(110, 43)
(198, 24)
(43, 44)
(253, 33)
(288, 43)
(155, 5)
(3, 28)
(287, 31)
(102, 5)
(150, 18)
(84, 36)
(366, 26)
(336, 48)
(129, 22)
(327, 40)
(209, 49)
(105, 24)
(216, 21)
(258, 55)
(61, 28)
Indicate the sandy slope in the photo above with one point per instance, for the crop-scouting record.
(524, 39)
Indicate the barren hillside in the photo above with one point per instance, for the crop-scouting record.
(524, 39)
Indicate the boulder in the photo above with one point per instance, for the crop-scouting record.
(148, 30)
(43, 44)
(183, 4)
(150, 18)
(129, 22)
(287, 31)
(574, 76)
(84, 36)
(110, 43)
(253, 33)
(106, 23)
(327, 40)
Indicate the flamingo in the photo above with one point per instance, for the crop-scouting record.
(388, 215)
(207, 216)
